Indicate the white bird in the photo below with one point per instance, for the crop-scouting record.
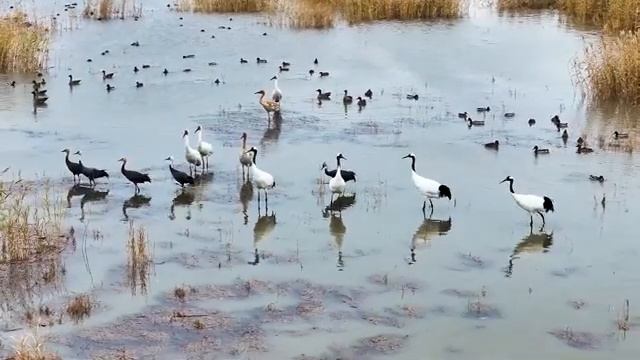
(337, 183)
(192, 155)
(530, 203)
(245, 157)
(276, 95)
(204, 148)
(261, 179)
(428, 188)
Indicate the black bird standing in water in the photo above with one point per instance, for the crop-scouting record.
(179, 176)
(134, 176)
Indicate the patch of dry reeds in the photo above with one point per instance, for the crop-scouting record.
(79, 307)
(139, 259)
(31, 347)
(514, 5)
(230, 6)
(23, 44)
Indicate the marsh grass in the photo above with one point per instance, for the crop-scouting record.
(31, 347)
(230, 6)
(623, 322)
(139, 259)
(80, 307)
(610, 70)
(111, 9)
(510, 5)
(357, 11)
(23, 44)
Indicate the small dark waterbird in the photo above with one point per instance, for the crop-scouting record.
(347, 99)
(323, 95)
(180, 177)
(134, 177)
(463, 115)
(73, 82)
(139, 84)
(509, 115)
(110, 88)
(492, 145)
(324, 74)
(368, 94)
(583, 149)
(538, 151)
(531, 122)
(483, 109)
(106, 76)
(618, 135)
(361, 102)
(471, 122)
(412, 97)
(598, 178)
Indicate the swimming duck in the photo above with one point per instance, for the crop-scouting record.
(73, 82)
(598, 178)
(471, 122)
(509, 114)
(110, 88)
(492, 145)
(618, 135)
(531, 122)
(361, 102)
(315, 62)
(243, 61)
(311, 72)
(286, 64)
(538, 151)
(135, 43)
(213, 63)
(261, 61)
(146, 66)
(580, 140)
(190, 56)
(323, 96)
(347, 99)
(463, 115)
(324, 73)
(483, 109)
(217, 81)
(565, 136)
(139, 84)
(268, 105)
(555, 119)
(583, 149)
(12, 83)
(368, 93)
(165, 71)
(106, 76)
(283, 68)
(39, 100)
(186, 70)
(135, 69)
(412, 97)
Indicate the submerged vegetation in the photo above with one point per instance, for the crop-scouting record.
(23, 44)
(324, 13)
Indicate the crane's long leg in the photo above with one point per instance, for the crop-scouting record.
(431, 204)
(266, 201)
(542, 216)
(424, 206)
(531, 223)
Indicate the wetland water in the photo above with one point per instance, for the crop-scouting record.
(329, 284)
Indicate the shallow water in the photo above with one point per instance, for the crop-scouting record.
(479, 283)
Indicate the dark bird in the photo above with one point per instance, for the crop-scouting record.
(560, 125)
(37, 99)
(135, 69)
(283, 68)
(324, 73)
(361, 102)
(618, 135)
(315, 61)
(12, 83)
(412, 97)
(135, 43)
(139, 84)
(217, 82)
(555, 119)
(146, 66)
(165, 71)
(179, 176)
(286, 64)
(531, 122)
(110, 88)
(243, 61)
(202, 30)
(368, 93)
(537, 151)
(463, 115)
(471, 122)
(134, 176)
(261, 61)
(43, 82)
(492, 145)
(311, 72)
(75, 168)
(483, 109)
(323, 96)
(583, 149)
(347, 99)
(73, 82)
(565, 136)
(106, 76)
(89, 60)
(264, 34)
(580, 140)
(92, 173)
(598, 178)
(347, 175)
(186, 70)
(509, 114)
(190, 56)
(213, 63)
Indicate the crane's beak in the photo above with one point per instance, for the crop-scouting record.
(258, 92)
(406, 156)
(503, 181)
(273, 78)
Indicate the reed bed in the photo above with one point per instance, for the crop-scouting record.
(112, 9)
(139, 259)
(515, 5)
(31, 347)
(23, 44)
(610, 71)
(230, 6)
(357, 11)
(80, 307)
(612, 15)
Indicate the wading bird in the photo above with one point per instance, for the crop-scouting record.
(192, 155)
(75, 168)
(261, 179)
(180, 177)
(269, 106)
(245, 156)
(337, 183)
(428, 188)
(347, 175)
(204, 148)
(276, 94)
(533, 204)
(134, 176)
(92, 173)
(73, 82)
(538, 151)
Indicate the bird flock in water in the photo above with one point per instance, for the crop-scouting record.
(198, 157)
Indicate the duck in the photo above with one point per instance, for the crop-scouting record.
(269, 106)
(347, 175)
(324, 74)
(134, 177)
(204, 148)
(565, 136)
(276, 94)
(531, 122)
(412, 97)
(243, 61)
(539, 151)
(106, 76)
(135, 69)
(74, 168)
(190, 56)
(509, 114)
(110, 88)
(368, 93)
(186, 70)
(492, 145)
(165, 71)
(361, 102)
(261, 61)
(471, 122)
(39, 100)
(598, 178)
(73, 82)
(192, 155)
(43, 82)
(180, 177)
(618, 135)
(283, 68)
(323, 96)
(135, 43)
(311, 72)
(212, 63)
(463, 115)
(337, 183)
(483, 109)
(286, 64)
(580, 141)
(260, 178)
(347, 99)
(561, 125)
(146, 66)
(139, 84)
(555, 119)
(315, 61)
(245, 156)
(582, 149)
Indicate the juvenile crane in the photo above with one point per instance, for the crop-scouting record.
(192, 155)
(268, 105)
(134, 176)
(75, 168)
(179, 176)
(245, 156)
(533, 204)
(276, 94)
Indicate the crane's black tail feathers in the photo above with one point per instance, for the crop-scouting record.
(445, 191)
(547, 204)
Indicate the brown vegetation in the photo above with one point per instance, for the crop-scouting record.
(79, 307)
(179, 293)
(23, 44)
(610, 71)
(526, 4)
(139, 259)
(232, 6)
(31, 347)
(111, 9)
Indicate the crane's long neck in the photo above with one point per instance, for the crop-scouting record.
(200, 136)
(244, 143)
(326, 171)
(66, 158)
(122, 168)
(186, 141)
(338, 160)
(413, 164)
(511, 186)
(255, 157)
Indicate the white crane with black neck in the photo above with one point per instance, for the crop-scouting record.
(429, 189)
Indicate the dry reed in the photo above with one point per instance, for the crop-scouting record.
(509, 5)
(612, 15)
(230, 6)
(139, 259)
(610, 71)
(111, 9)
(23, 44)
(356, 11)
(79, 307)
(31, 347)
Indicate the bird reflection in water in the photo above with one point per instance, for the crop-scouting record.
(184, 197)
(261, 230)
(203, 179)
(531, 243)
(246, 195)
(337, 229)
(341, 203)
(428, 229)
(91, 196)
(272, 133)
(76, 190)
(134, 202)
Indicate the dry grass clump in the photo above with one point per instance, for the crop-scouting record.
(613, 15)
(231, 6)
(356, 11)
(110, 9)
(526, 4)
(23, 44)
(30, 222)
(31, 347)
(610, 71)
(623, 318)
(79, 307)
(179, 293)
(310, 14)
(139, 259)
